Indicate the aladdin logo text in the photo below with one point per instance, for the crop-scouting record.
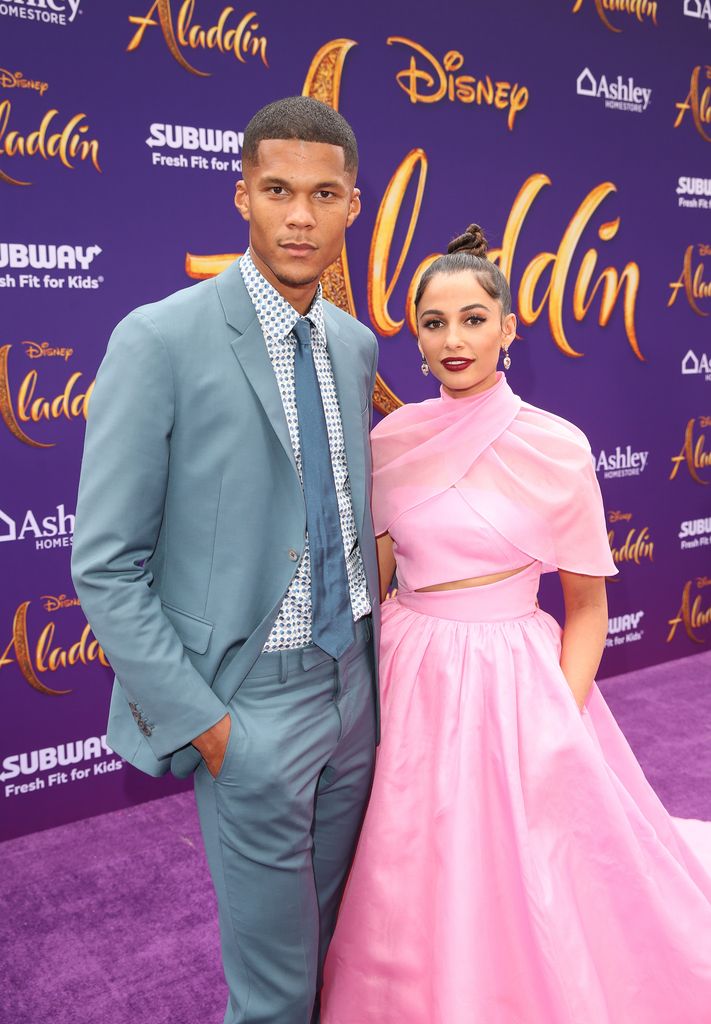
(607, 9)
(231, 34)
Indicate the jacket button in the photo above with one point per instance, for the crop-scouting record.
(293, 555)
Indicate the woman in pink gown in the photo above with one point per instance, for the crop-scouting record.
(515, 866)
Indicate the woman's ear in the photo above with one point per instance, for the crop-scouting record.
(508, 327)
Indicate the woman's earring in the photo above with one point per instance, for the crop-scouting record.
(507, 359)
(425, 368)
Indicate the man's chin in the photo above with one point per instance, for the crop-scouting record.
(294, 279)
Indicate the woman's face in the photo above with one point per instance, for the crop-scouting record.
(460, 332)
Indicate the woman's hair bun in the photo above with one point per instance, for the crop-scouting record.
(473, 240)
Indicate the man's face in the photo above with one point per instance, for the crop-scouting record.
(299, 200)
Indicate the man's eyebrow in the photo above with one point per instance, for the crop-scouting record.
(271, 180)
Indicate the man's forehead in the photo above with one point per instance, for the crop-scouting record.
(296, 157)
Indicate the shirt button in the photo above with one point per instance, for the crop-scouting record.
(293, 555)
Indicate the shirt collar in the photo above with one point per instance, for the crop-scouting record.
(277, 316)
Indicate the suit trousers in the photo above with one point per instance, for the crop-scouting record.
(281, 819)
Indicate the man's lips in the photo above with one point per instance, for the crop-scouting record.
(299, 248)
(454, 365)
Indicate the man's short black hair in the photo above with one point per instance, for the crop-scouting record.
(300, 117)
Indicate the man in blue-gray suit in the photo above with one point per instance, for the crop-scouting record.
(224, 556)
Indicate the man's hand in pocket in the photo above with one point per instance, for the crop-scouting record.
(212, 744)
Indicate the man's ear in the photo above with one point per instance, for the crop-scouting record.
(353, 208)
(242, 199)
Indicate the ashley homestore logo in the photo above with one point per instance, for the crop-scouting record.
(693, 364)
(50, 12)
(618, 93)
(50, 531)
(698, 9)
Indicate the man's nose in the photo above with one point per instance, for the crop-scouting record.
(300, 213)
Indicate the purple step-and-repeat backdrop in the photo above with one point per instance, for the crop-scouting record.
(577, 133)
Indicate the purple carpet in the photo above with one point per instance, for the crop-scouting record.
(112, 920)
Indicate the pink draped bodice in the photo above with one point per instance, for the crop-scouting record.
(443, 540)
(466, 486)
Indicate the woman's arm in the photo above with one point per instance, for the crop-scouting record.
(584, 632)
(386, 563)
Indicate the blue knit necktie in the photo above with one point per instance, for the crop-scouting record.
(332, 616)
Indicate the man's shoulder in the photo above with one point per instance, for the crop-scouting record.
(177, 311)
(349, 324)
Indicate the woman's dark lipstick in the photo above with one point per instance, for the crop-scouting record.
(454, 365)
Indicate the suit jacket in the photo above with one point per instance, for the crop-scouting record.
(191, 517)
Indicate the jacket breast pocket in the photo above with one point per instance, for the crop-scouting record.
(194, 632)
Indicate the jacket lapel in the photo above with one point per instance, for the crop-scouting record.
(349, 404)
(251, 351)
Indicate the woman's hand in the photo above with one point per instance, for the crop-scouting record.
(584, 631)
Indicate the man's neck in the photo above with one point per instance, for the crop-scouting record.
(299, 296)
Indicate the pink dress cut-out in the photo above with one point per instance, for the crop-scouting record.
(515, 866)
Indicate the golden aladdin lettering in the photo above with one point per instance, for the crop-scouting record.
(437, 81)
(698, 102)
(691, 615)
(692, 453)
(29, 407)
(636, 545)
(609, 283)
(639, 9)
(48, 656)
(67, 144)
(691, 280)
(241, 40)
(380, 288)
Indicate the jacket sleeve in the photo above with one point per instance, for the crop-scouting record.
(373, 374)
(119, 514)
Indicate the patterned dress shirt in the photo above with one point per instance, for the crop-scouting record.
(292, 628)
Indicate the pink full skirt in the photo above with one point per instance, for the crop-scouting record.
(515, 866)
